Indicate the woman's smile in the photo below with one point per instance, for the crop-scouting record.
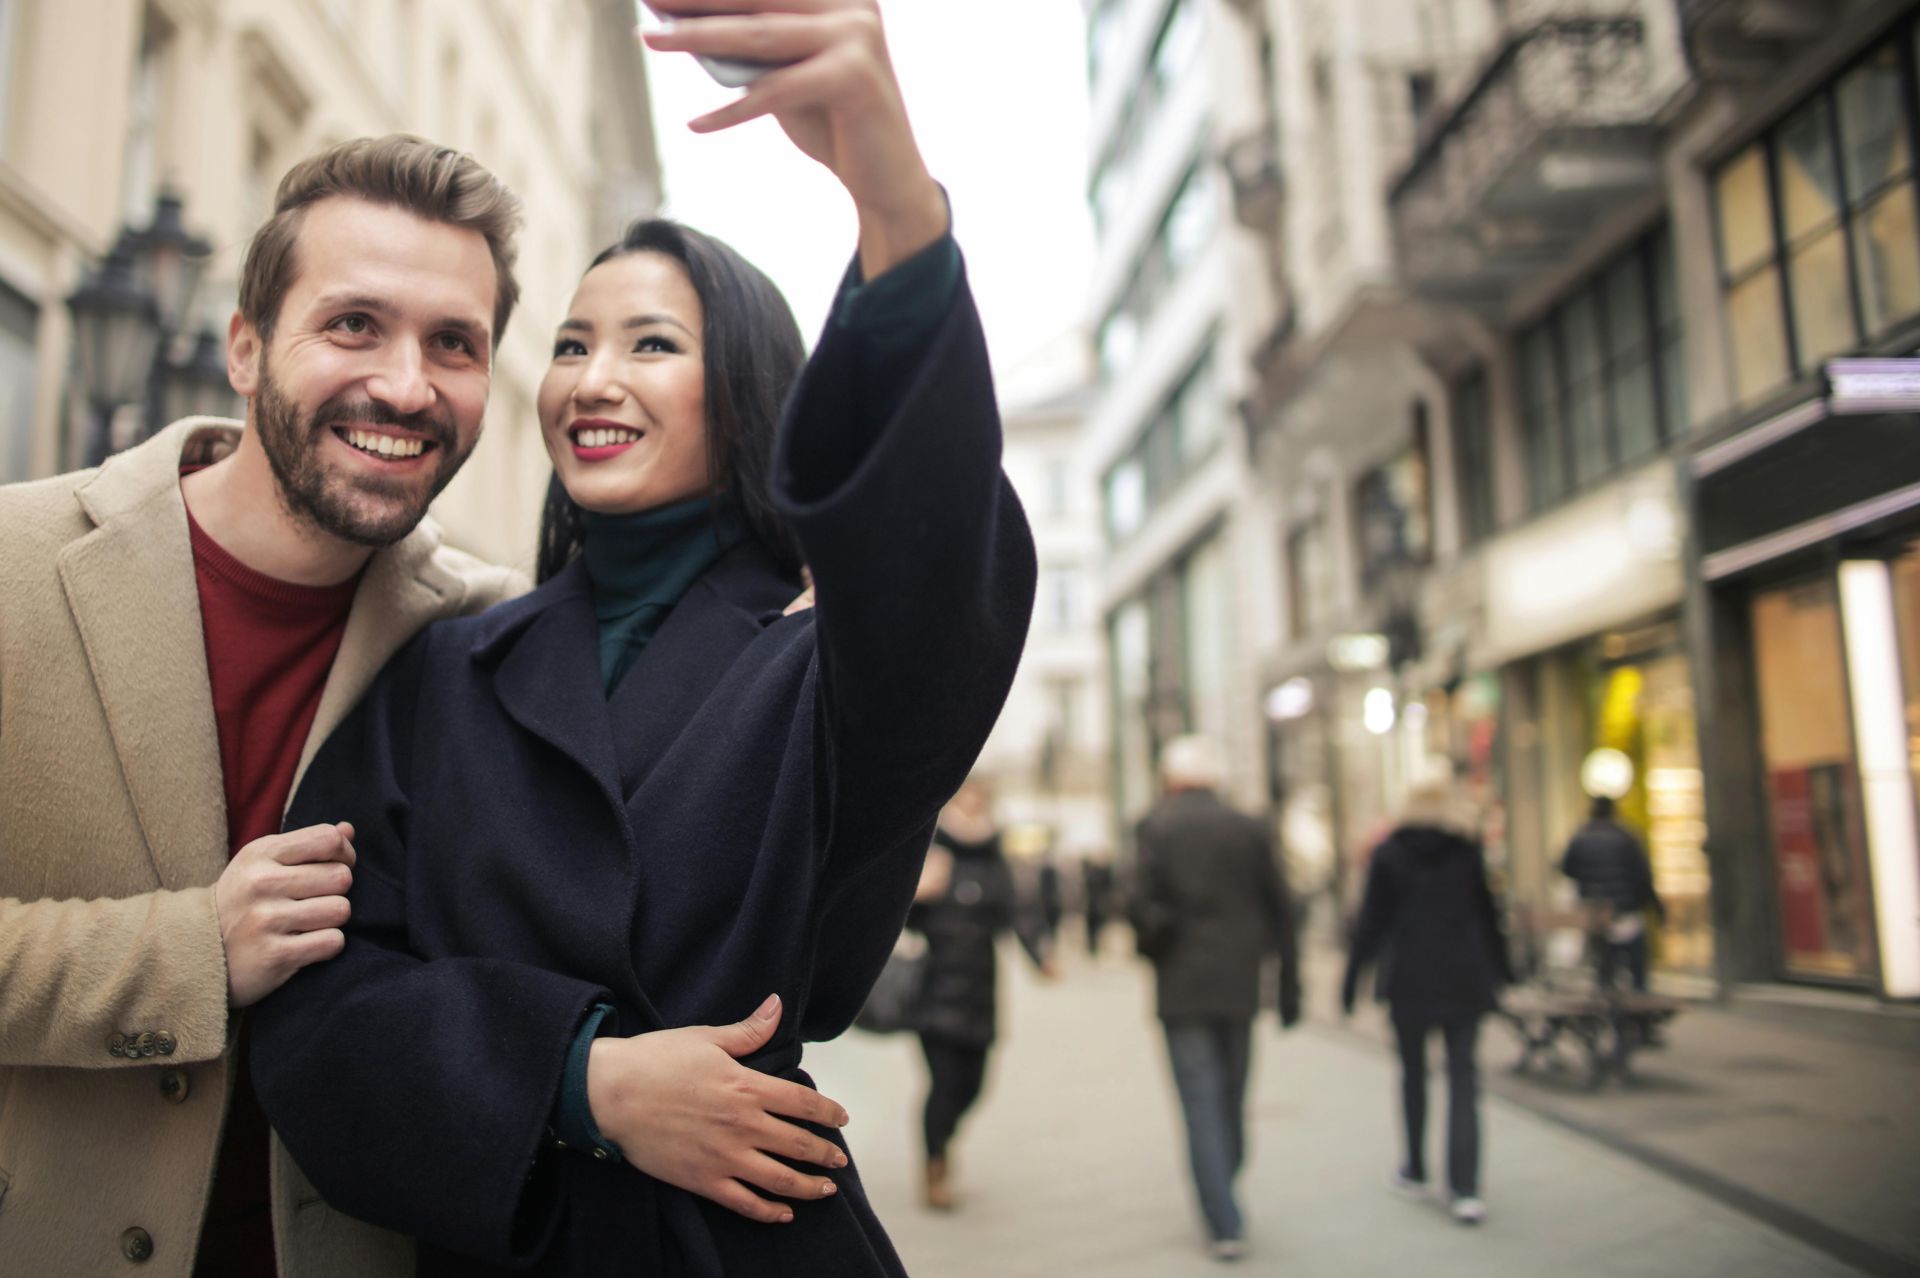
(596, 438)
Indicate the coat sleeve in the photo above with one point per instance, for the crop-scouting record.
(74, 974)
(924, 575)
(1491, 931)
(413, 1093)
(1151, 904)
(1377, 909)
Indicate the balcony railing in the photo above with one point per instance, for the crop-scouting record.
(1751, 39)
(1555, 132)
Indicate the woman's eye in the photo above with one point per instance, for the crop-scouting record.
(568, 346)
(655, 345)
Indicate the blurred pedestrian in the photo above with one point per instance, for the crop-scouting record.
(1047, 895)
(965, 902)
(1096, 897)
(1611, 869)
(1209, 908)
(1428, 908)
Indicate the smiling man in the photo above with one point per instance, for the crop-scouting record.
(182, 627)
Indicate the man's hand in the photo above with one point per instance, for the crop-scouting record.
(833, 90)
(281, 904)
(684, 1111)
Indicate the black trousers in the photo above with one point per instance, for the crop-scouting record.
(1463, 1099)
(955, 1071)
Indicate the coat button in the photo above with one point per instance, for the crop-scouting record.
(175, 1086)
(164, 1043)
(117, 1045)
(144, 1045)
(136, 1244)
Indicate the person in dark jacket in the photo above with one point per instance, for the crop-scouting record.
(1209, 909)
(966, 901)
(1611, 870)
(1428, 908)
(595, 820)
(1097, 893)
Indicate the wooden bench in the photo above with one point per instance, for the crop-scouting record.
(1562, 1000)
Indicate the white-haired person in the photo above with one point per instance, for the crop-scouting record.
(1210, 907)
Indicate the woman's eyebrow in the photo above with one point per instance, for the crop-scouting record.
(642, 321)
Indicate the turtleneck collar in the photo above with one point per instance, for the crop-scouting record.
(641, 564)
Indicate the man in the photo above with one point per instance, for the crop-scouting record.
(1209, 907)
(183, 626)
(1611, 870)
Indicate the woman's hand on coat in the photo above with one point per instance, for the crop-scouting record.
(833, 90)
(684, 1111)
(281, 904)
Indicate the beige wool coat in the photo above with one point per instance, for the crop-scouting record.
(114, 1027)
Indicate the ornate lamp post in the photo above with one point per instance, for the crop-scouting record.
(128, 317)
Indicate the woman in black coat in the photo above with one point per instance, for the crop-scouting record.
(1428, 909)
(637, 799)
(965, 903)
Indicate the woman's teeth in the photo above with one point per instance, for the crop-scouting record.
(605, 437)
(385, 445)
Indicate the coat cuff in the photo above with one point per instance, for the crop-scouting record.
(570, 1125)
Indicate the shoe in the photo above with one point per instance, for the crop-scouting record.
(1227, 1249)
(1468, 1210)
(1407, 1186)
(937, 1191)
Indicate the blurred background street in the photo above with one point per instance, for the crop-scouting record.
(1075, 1161)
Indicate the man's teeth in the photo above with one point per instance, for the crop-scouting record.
(605, 436)
(385, 445)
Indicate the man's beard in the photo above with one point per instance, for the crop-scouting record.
(367, 510)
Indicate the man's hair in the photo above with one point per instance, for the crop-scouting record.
(1602, 809)
(1193, 762)
(434, 183)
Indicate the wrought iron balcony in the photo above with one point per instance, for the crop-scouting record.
(1556, 132)
(1751, 39)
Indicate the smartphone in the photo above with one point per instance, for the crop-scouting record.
(732, 73)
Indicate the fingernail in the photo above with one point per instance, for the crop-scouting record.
(839, 1160)
(844, 1119)
(829, 1189)
(768, 1008)
(786, 1218)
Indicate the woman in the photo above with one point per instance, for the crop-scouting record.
(966, 900)
(1427, 906)
(635, 800)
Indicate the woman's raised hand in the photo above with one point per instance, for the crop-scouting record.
(833, 90)
(684, 1111)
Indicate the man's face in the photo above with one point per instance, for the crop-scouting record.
(370, 394)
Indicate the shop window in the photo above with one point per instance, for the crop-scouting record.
(1473, 455)
(1813, 784)
(1309, 556)
(1393, 521)
(1906, 610)
(19, 323)
(1819, 247)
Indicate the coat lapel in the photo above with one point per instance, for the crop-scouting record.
(131, 587)
(546, 646)
(675, 673)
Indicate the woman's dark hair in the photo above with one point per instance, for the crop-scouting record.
(753, 356)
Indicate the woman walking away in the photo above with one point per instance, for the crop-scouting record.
(965, 902)
(1428, 907)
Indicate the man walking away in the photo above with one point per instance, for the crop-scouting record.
(1210, 906)
(1611, 869)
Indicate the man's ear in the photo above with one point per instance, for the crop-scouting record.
(243, 356)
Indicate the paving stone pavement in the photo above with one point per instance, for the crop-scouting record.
(1073, 1163)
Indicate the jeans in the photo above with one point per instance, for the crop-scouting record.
(1210, 1059)
(1463, 1100)
(1632, 953)
(955, 1072)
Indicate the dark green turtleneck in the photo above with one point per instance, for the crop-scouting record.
(641, 564)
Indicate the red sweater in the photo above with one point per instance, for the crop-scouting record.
(270, 646)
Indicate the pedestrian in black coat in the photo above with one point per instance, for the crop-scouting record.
(1611, 869)
(629, 804)
(1428, 909)
(966, 902)
(1209, 910)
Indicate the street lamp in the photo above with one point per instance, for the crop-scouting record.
(127, 318)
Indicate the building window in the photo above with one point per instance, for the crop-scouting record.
(1185, 230)
(1819, 244)
(146, 104)
(9, 20)
(1309, 558)
(19, 324)
(1176, 441)
(1392, 512)
(1601, 374)
(1173, 49)
(1473, 456)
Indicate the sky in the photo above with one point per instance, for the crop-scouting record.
(1000, 111)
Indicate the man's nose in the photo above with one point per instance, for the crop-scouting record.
(401, 381)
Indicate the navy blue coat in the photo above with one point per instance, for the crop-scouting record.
(747, 814)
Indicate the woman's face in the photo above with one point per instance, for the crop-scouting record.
(623, 405)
